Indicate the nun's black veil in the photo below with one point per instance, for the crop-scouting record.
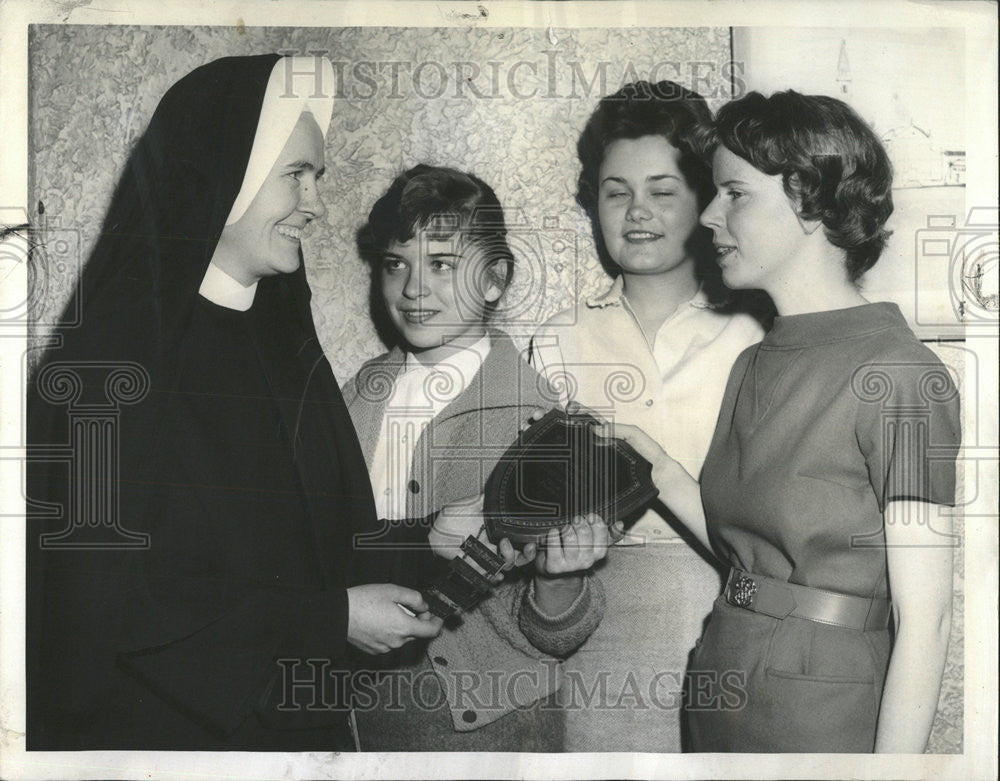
(240, 464)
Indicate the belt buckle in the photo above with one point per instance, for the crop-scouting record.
(742, 591)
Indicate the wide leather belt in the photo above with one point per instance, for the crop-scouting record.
(780, 599)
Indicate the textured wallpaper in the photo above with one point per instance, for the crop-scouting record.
(506, 104)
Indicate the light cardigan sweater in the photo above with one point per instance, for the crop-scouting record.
(456, 452)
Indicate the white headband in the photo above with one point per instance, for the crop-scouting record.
(296, 84)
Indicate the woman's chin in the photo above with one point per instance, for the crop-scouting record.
(735, 280)
(650, 263)
(418, 337)
(286, 264)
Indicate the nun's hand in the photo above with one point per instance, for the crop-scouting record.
(384, 616)
(453, 524)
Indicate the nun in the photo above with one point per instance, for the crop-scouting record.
(232, 626)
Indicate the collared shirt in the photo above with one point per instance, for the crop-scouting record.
(671, 387)
(419, 395)
(220, 288)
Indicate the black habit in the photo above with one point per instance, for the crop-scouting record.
(240, 464)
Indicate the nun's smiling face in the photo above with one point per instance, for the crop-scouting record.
(265, 240)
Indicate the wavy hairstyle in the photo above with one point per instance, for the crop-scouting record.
(443, 201)
(832, 164)
(641, 109)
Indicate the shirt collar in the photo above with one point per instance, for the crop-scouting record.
(700, 300)
(615, 294)
(220, 288)
(610, 297)
(833, 325)
(466, 361)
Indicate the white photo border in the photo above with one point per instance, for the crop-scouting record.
(979, 759)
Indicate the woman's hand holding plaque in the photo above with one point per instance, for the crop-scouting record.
(560, 468)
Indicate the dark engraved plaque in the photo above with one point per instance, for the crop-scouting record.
(559, 468)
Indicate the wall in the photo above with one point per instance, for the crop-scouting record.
(93, 90)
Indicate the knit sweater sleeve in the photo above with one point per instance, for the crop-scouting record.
(560, 635)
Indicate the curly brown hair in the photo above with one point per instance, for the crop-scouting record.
(831, 163)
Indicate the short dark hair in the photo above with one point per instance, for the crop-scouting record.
(444, 201)
(637, 110)
(831, 163)
(644, 109)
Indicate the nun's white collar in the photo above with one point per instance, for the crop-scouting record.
(220, 288)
